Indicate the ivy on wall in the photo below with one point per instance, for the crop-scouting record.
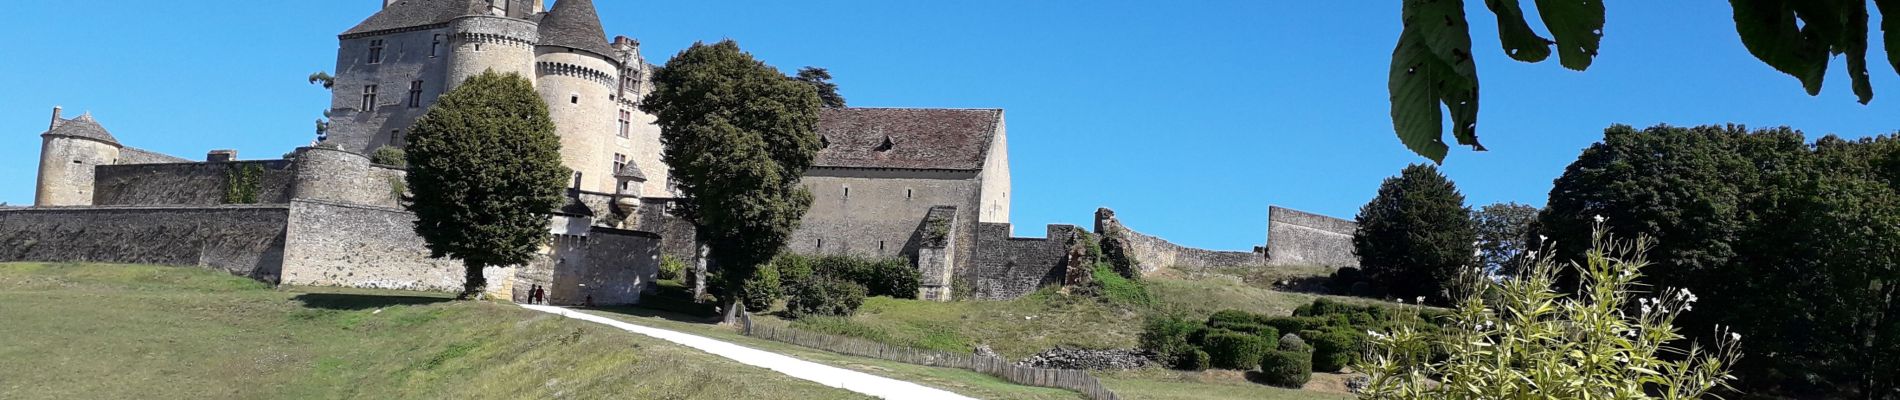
(241, 183)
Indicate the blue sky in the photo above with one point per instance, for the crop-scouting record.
(1187, 118)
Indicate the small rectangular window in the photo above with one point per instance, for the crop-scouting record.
(821, 244)
(435, 46)
(415, 94)
(620, 162)
(907, 194)
(376, 51)
(880, 245)
(626, 122)
(847, 191)
(395, 137)
(369, 98)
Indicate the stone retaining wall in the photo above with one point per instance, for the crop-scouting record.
(1300, 238)
(245, 240)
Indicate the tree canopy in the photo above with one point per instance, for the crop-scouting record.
(820, 80)
(1433, 73)
(1415, 235)
(1793, 244)
(485, 170)
(1504, 234)
(738, 136)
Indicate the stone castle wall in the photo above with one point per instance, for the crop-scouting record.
(245, 240)
(1300, 238)
(334, 244)
(619, 265)
(66, 169)
(678, 237)
(338, 176)
(877, 213)
(1007, 267)
(407, 56)
(191, 183)
(1152, 253)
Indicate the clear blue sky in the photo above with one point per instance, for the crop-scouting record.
(1187, 118)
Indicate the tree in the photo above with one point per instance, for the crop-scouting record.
(485, 170)
(1504, 233)
(1415, 235)
(328, 82)
(1609, 342)
(738, 136)
(1432, 64)
(820, 80)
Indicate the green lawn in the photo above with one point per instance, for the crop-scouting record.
(132, 331)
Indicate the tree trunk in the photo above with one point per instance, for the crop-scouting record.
(473, 283)
(732, 310)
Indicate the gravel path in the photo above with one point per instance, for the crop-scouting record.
(871, 385)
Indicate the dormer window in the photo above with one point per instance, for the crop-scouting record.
(887, 145)
(376, 51)
(824, 142)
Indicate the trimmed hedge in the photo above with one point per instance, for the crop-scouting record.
(1167, 337)
(1236, 350)
(1287, 369)
(825, 296)
(1334, 350)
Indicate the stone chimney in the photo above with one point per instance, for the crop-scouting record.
(56, 119)
(222, 155)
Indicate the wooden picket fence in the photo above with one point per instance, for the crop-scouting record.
(1076, 380)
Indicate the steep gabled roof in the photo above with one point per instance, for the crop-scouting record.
(412, 13)
(575, 24)
(907, 138)
(631, 170)
(83, 127)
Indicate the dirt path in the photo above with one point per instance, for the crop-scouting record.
(871, 385)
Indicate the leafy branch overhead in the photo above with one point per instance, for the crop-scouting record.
(1432, 73)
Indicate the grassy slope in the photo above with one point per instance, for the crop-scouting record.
(117, 331)
(1022, 327)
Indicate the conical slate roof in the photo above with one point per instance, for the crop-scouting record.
(83, 127)
(632, 170)
(575, 24)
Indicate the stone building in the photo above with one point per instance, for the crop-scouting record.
(391, 67)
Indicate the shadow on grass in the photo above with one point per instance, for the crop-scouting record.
(343, 301)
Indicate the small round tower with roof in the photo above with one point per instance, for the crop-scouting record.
(578, 75)
(69, 151)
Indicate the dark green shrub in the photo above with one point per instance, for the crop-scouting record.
(1295, 324)
(825, 296)
(1167, 338)
(793, 269)
(1236, 350)
(760, 290)
(1293, 342)
(1287, 369)
(1234, 317)
(1334, 350)
(390, 155)
(881, 277)
(1199, 361)
(1415, 236)
(1342, 280)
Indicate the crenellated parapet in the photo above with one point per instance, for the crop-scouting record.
(603, 78)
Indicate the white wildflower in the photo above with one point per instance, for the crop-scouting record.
(1421, 299)
(1542, 238)
(1734, 336)
(1401, 301)
(1599, 218)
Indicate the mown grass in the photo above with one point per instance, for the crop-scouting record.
(134, 331)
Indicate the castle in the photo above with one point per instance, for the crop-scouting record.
(928, 185)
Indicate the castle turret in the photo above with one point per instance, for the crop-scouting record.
(483, 43)
(68, 152)
(578, 76)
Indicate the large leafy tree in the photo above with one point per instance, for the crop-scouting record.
(1504, 233)
(738, 135)
(1794, 244)
(485, 170)
(1415, 236)
(820, 80)
(1433, 73)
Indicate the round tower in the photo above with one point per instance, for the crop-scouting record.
(68, 152)
(578, 76)
(483, 43)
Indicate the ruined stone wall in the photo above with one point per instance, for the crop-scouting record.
(1152, 253)
(245, 240)
(191, 183)
(1007, 267)
(1300, 238)
(936, 256)
(336, 244)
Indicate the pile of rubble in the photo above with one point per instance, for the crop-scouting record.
(1064, 358)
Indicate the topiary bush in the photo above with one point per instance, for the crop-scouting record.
(1236, 350)
(1335, 349)
(1286, 368)
(1198, 360)
(825, 296)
